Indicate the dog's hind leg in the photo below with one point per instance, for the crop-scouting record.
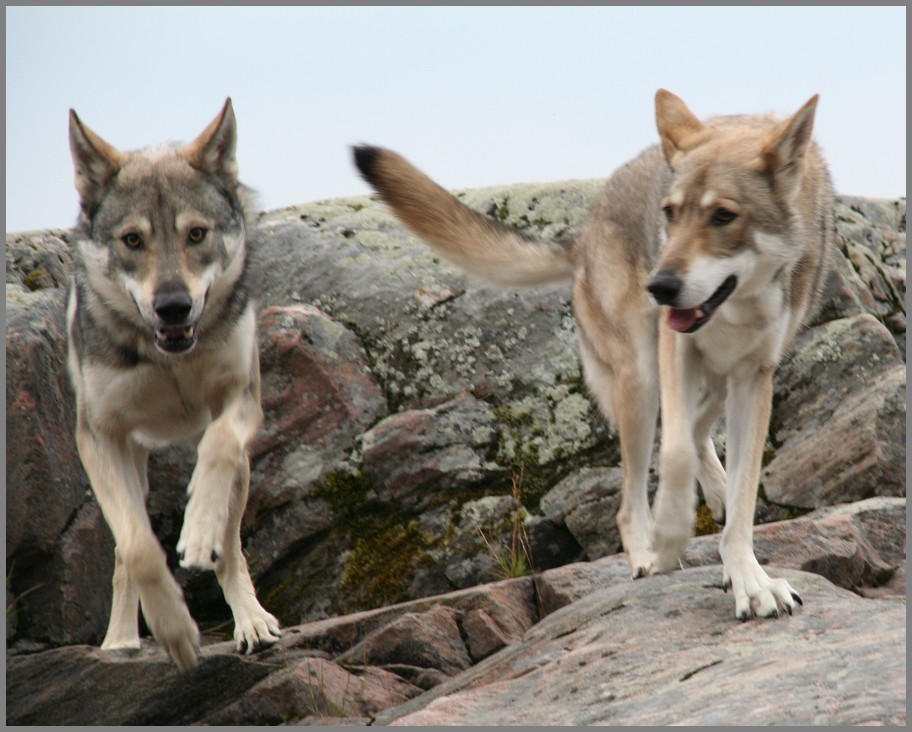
(626, 390)
(110, 463)
(636, 409)
(254, 627)
(123, 626)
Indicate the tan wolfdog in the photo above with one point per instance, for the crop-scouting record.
(700, 263)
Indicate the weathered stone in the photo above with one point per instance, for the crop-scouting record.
(845, 387)
(483, 636)
(430, 639)
(643, 640)
(667, 650)
(316, 688)
(361, 323)
(318, 396)
(413, 455)
(859, 546)
(45, 483)
(72, 593)
(77, 685)
(587, 502)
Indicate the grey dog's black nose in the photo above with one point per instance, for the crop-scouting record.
(172, 304)
(665, 286)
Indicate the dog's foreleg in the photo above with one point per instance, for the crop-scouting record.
(674, 509)
(220, 456)
(211, 534)
(254, 627)
(747, 419)
(140, 565)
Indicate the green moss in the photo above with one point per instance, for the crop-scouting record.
(33, 280)
(344, 491)
(512, 417)
(500, 210)
(520, 454)
(705, 524)
(384, 551)
(384, 556)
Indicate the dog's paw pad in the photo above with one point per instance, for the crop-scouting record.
(199, 550)
(256, 634)
(758, 595)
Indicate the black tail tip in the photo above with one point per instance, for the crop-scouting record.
(366, 157)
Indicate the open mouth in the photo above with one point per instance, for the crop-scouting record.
(175, 338)
(690, 320)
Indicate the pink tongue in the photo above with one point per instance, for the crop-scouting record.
(682, 320)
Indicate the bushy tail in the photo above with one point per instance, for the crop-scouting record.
(481, 246)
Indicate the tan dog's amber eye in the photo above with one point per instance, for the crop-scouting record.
(197, 234)
(722, 216)
(131, 240)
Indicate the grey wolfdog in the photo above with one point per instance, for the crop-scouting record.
(162, 347)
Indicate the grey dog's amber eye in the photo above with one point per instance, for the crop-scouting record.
(669, 213)
(197, 234)
(131, 240)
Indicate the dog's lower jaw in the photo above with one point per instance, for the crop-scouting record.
(175, 340)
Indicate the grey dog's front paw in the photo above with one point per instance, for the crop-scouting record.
(200, 544)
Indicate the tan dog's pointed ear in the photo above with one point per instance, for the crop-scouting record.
(95, 161)
(783, 153)
(679, 130)
(214, 150)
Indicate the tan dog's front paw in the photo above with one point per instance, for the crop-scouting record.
(756, 593)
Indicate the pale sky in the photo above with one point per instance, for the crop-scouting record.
(475, 96)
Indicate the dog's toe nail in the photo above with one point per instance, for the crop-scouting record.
(215, 556)
(797, 598)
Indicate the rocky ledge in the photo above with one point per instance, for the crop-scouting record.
(424, 436)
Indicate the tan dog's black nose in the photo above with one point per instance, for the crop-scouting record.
(665, 286)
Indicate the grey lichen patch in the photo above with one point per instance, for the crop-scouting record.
(549, 210)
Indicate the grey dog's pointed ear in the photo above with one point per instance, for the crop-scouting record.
(214, 150)
(95, 161)
(679, 128)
